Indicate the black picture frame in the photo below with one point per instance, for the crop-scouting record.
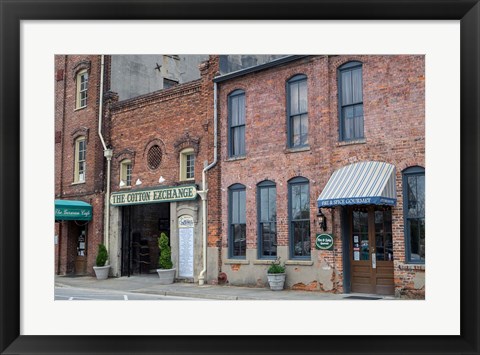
(13, 12)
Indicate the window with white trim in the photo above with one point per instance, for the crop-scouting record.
(126, 173)
(80, 159)
(82, 86)
(187, 164)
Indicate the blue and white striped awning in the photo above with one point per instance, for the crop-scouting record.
(364, 183)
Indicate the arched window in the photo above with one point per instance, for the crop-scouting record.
(350, 101)
(297, 111)
(236, 123)
(267, 219)
(414, 214)
(299, 218)
(237, 236)
(80, 160)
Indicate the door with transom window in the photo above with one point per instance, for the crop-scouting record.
(371, 249)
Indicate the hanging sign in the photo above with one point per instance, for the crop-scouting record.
(155, 195)
(324, 241)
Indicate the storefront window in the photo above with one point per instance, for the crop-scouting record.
(299, 215)
(414, 213)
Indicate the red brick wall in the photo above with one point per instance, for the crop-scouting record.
(68, 122)
(394, 116)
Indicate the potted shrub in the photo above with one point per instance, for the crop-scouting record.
(165, 270)
(276, 275)
(101, 270)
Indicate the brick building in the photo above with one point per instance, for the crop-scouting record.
(79, 166)
(311, 150)
(331, 145)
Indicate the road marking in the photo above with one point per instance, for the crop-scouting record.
(125, 297)
(70, 299)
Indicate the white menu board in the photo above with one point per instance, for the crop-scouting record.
(185, 239)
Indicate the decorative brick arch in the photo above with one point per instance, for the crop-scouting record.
(79, 132)
(126, 154)
(82, 65)
(187, 141)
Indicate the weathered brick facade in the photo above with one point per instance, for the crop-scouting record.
(70, 123)
(394, 126)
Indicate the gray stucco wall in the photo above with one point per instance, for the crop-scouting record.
(135, 75)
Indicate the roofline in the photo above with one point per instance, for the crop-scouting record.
(273, 63)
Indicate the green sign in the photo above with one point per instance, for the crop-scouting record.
(72, 210)
(324, 242)
(154, 195)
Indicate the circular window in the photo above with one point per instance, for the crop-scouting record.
(154, 157)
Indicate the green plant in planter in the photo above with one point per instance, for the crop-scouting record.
(165, 258)
(102, 255)
(276, 267)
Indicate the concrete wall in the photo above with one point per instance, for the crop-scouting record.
(135, 75)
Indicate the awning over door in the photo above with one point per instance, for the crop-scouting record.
(363, 183)
(71, 210)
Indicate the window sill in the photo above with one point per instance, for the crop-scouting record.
(125, 187)
(236, 261)
(243, 157)
(79, 108)
(353, 142)
(296, 150)
(299, 262)
(263, 261)
(412, 267)
(78, 182)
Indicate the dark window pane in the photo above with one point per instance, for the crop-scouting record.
(304, 130)
(272, 192)
(421, 196)
(294, 105)
(301, 238)
(241, 139)
(235, 207)
(234, 110)
(357, 85)
(242, 206)
(241, 109)
(302, 93)
(346, 88)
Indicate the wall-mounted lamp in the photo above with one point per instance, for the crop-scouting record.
(322, 220)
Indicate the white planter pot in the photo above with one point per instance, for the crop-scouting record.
(166, 276)
(101, 272)
(276, 281)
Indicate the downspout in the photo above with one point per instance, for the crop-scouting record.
(203, 193)
(107, 153)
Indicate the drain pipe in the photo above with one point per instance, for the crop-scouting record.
(107, 153)
(203, 193)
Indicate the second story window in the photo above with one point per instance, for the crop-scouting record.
(236, 123)
(187, 164)
(126, 173)
(80, 160)
(297, 110)
(350, 101)
(82, 86)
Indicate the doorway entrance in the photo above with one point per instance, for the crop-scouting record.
(141, 226)
(371, 250)
(80, 233)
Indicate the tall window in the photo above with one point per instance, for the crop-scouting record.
(297, 111)
(350, 97)
(299, 216)
(236, 119)
(267, 219)
(237, 222)
(126, 173)
(187, 164)
(82, 86)
(80, 159)
(414, 213)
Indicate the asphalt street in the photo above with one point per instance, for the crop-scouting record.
(83, 294)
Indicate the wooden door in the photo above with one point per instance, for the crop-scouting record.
(81, 257)
(371, 251)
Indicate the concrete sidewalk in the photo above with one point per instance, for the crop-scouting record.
(148, 284)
